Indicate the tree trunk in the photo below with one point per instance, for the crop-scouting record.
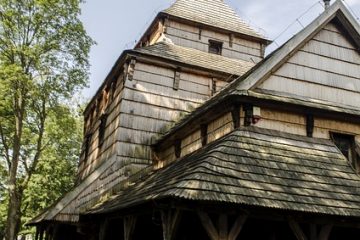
(14, 215)
(15, 193)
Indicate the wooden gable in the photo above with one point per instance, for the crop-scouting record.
(326, 68)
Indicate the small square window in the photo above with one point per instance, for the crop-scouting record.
(215, 47)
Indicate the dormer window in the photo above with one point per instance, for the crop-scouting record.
(346, 144)
(215, 47)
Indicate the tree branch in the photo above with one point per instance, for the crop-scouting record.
(39, 149)
(6, 146)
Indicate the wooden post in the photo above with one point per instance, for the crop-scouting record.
(177, 146)
(131, 69)
(213, 87)
(231, 40)
(248, 109)
(170, 219)
(129, 227)
(222, 232)
(208, 225)
(237, 226)
(325, 232)
(37, 233)
(177, 76)
(295, 227)
(103, 229)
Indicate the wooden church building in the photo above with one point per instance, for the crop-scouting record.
(195, 134)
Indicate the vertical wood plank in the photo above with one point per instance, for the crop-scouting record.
(204, 134)
(237, 226)
(129, 227)
(295, 227)
(170, 219)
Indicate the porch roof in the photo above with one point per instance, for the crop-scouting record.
(255, 167)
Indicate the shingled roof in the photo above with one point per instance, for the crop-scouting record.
(215, 13)
(196, 58)
(256, 167)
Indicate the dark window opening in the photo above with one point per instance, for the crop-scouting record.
(215, 47)
(346, 144)
(87, 143)
(102, 128)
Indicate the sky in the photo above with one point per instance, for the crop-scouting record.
(116, 25)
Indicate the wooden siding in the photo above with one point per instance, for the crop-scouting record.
(144, 108)
(282, 121)
(220, 127)
(272, 119)
(189, 36)
(326, 68)
(191, 143)
(97, 154)
(295, 123)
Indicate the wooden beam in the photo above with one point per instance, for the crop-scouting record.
(177, 146)
(129, 227)
(235, 113)
(295, 227)
(170, 219)
(237, 226)
(177, 76)
(248, 109)
(309, 125)
(222, 232)
(208, 225)
(325, 232)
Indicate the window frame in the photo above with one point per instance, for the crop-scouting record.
(215, 44)
(352, 156)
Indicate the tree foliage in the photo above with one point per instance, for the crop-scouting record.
(43, 61)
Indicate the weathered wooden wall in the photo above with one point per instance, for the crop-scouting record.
(143, 108)
(326, 68)
(284, 121)
(97, 153)
(193, 37)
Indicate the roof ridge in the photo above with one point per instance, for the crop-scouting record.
(214, 13)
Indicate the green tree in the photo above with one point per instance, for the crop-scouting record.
(43, 61)
(56, 170)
